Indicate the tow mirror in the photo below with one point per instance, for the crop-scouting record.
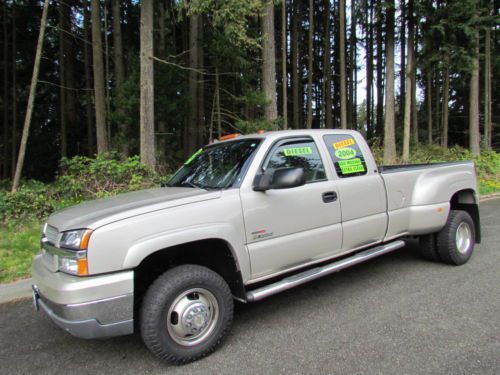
(283, 178)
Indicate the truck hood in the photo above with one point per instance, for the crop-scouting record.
(96, 213)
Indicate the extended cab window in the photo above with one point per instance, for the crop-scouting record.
(346, 155)
(298, 154)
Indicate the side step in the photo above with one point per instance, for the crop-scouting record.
(316, 273)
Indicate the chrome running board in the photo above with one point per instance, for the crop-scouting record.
(316, 273)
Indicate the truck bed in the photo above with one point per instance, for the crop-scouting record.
(408, 167)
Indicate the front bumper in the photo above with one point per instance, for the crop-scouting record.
(86, 307)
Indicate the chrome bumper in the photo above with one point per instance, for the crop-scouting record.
(86, 307)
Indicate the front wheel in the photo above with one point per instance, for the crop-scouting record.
(185, 313)
(455, 242)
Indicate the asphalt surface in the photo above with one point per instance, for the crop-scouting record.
(397, 314)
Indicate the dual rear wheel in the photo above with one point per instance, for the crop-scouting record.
(454, 243)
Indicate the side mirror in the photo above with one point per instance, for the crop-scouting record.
(283, 178)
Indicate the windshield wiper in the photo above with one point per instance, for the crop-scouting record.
(190, 184)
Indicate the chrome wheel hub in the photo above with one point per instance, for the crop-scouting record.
(463, 237)
(192, 316)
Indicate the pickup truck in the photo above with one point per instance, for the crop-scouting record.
(242, 219)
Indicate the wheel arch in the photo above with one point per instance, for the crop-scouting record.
(467, 200)
(214, 253)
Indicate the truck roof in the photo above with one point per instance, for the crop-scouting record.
(294, 132)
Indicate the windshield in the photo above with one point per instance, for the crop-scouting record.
(216, 166)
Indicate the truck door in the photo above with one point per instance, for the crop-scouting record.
(361, 190)
(290, 227)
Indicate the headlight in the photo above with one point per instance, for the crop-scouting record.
(75, 239)
(72, 257)
(73, 262)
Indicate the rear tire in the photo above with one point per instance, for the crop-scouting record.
(428, 247)
(455, 242)
(186, 313)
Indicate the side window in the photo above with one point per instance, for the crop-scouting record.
(298, 154)
(346, 155)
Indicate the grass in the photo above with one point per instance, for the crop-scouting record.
(18, 245)
(489, 187)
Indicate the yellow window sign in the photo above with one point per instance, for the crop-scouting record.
(297, 151)
(342, 144)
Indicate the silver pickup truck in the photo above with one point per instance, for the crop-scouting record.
(242, 219)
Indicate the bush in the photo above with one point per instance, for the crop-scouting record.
(80, 178)
(87, 178)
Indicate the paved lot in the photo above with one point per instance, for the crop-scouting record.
(396, 314)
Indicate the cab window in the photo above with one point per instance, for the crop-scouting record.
(346, 155)
(298, 154)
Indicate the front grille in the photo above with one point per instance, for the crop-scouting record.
(51, 233)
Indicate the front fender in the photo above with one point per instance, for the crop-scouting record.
(144, 247)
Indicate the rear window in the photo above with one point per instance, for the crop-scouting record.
(346, 155)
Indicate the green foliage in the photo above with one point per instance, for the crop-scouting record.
(80, 178)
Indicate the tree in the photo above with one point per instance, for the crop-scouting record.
(31, 99)
(487, 87)
(408, 84)
(14, 91)
(5, 92)
(474, 102)
(343, 84)
(295, 62)
(88, 78)
(98, 64)
(269, 62)
(147, 86)
(283, 63)
(310, 59)
(327, 69)
(389, 125)
(119, 66)
(62, 75)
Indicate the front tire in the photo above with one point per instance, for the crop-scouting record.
(455, 242)
(186, 313)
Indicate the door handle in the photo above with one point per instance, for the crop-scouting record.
(329, 196)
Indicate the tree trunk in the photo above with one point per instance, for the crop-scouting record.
(284, 74)
(161, 140)
(119, 66)
(5, 93)
(389, 121)
(474, 103)
(14, 92)
(88, 79)
(106, 68)
(446, 96)
(98, 64)
(369, 71)
(217, 89)
(380, 75)
(295, 63)
(429, 104)
(310, 64)
(31, 99)
(402, 76)
(352, 69)
(328, 69)
(343, 83)
(487, 88)
(414, 107)
(147, 118)
(408, 84)
(62, 77)
(269, 62)
(200, 122)
(192, 141)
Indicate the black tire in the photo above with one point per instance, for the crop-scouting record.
(428, 247)
(446, 239)
(158, 323)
